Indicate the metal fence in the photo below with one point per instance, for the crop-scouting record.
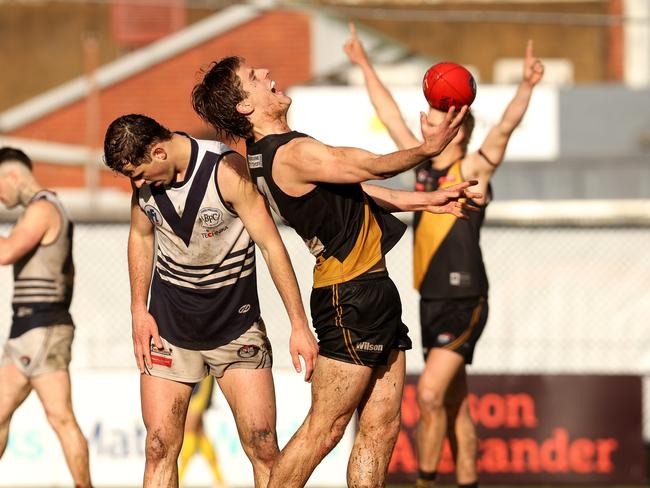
(562, 300)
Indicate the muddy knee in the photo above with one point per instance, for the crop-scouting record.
(160, 447)
(261, 445)
(333, 435)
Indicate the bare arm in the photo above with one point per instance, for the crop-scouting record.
(384, 103)
(438, 202)
(494, 146)
(140, 256)
(306, 160)
(238, 190)
(39, 218)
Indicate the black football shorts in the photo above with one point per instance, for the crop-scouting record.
(453, 323)
(359, 321)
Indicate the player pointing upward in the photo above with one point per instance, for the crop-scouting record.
(448, 267)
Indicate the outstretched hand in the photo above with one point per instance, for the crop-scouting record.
(533, 67)
(453, 200)
(437, 136)
(354, 48)
(303, 343)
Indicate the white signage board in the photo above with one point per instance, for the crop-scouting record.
(107, 405)
(344, 116)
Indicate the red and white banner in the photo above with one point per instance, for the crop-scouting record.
(564, 429)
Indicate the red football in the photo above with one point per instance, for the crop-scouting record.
(448, 84)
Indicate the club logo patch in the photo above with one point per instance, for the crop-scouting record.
(210, 218)
(154, 215)
(25, 360)
(249, 351)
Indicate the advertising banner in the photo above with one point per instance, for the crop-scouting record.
(541, 429)
(107, 405)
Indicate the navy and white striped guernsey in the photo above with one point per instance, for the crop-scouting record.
(44, 278)
(203, 290)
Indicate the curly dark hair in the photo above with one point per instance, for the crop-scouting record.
(12, 154)
(216, 97)
(129, 138)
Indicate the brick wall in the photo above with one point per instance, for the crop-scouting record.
(277, 40)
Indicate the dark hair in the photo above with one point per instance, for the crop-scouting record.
(216, 97)
(468, 127)
(12, 154)
(129, 138)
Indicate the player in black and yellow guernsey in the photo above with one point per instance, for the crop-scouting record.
(448, 269)
(355, 307)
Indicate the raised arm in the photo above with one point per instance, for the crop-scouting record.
(140, 256)
(447, 200)
(481, 165)
(307, 161)
(239, 191)
(40, 218)
(384, 103)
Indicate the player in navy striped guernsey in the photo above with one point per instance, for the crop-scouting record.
(37, 353)
(355, 307)
(196, 197)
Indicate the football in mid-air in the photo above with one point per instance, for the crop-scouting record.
(448, 84)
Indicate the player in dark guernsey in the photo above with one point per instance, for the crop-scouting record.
(37, 354)
(196, 198)
(448, 268)
(355, 307)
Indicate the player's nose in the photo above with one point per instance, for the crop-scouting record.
(263, 73)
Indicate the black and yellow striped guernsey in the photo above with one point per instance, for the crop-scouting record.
(447, 259)
(344, 228)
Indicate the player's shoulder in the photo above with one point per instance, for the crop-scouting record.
(214, 146)
(43, 203)
(302, 147)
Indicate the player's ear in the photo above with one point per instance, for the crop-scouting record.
(245, 107)
(158, 152)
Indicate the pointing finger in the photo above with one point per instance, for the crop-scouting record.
(353, 29)
(529, 48)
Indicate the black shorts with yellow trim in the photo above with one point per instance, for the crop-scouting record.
(359, 321)
(455, 324)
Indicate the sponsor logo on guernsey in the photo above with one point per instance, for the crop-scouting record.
(368, 347)
(460, 278)
(248, 351)
(244, 308)
(154, 215)
(254, 161)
